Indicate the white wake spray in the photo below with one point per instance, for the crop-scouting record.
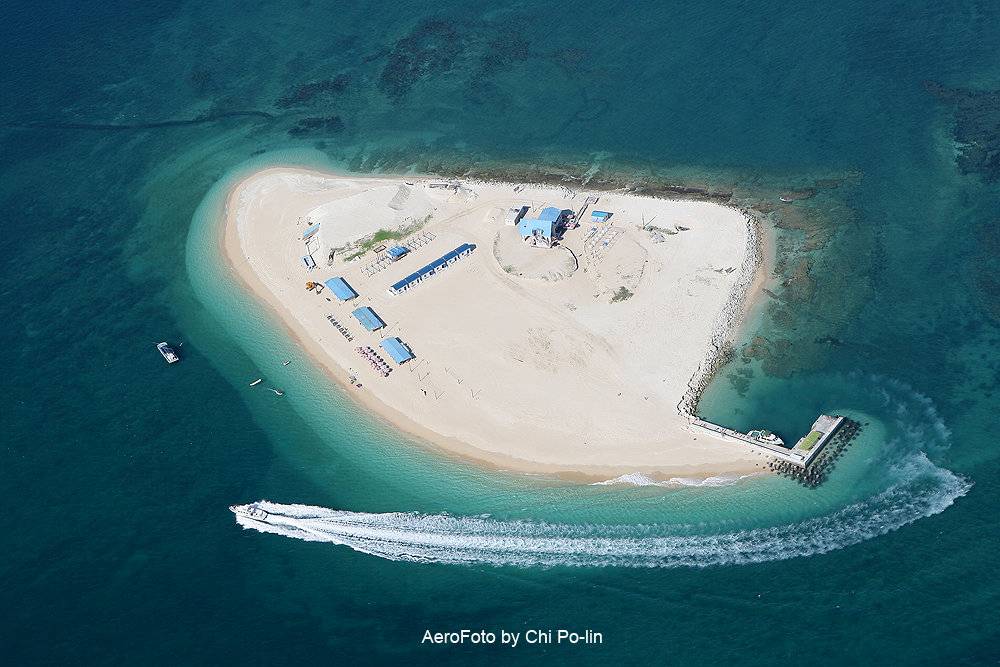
(918, 489)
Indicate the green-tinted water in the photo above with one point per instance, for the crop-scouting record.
(120, 469)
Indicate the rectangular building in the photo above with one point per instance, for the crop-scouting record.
(396, 252)
(551, 214)
(340, 287)
(515, 213)
(369, 320)
(429, 270)
(397, 350)
(310, 232)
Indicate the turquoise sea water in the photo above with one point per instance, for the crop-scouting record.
(124, 122)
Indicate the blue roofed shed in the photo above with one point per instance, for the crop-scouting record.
(340, 287)
(599, 216)
(397, 350)
(306, 235)
(369, 320)
(397, 251)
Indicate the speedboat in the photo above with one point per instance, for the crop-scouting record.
(251, 511)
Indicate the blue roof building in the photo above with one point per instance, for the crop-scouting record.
(429, 270)
(599, 216)
(340, 287)
(397, 251)
(397, 350)
(306, 235)
(550, 214)
(369, 320)
(536, 232)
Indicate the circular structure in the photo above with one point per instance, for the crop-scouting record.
(523, 260)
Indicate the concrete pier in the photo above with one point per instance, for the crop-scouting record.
(802, 454)
(811, 444)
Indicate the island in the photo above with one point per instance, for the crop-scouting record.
(530, 327)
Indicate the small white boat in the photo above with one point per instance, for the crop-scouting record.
(168, 353)
(256, 382)
(765, 436)
(286, 362)
(251, 511)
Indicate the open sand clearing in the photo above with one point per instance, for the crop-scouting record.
(582, 358)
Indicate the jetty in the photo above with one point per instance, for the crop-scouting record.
(802, 455)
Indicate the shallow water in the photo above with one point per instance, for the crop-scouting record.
(120, 469)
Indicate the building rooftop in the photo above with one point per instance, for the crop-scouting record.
(528, 226)
(397, 350)
(550, 214)
(369, 320)
(429, 268)
(310, 231)
(340, 287)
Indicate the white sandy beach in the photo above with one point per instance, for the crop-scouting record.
(522, 359)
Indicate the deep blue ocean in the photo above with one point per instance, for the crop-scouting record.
(123, 123)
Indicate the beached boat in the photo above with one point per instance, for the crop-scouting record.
(251, 511)
(167, 352)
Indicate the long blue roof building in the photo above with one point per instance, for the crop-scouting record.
(429, 269)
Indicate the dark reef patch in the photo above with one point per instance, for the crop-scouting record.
(977, 128)
(986, 268)
(307, 93)
(431, 48)
(320, 125)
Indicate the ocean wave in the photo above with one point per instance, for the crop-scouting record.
(915, 488)
(639, 479)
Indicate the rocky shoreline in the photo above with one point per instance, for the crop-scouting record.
(729, 321)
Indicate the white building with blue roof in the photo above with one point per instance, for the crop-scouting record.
(541, 231)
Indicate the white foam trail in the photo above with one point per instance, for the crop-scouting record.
(917, 488)
(469, 540)
(639, 479)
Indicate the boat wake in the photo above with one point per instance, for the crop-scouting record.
(916, 488)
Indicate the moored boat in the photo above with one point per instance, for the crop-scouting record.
(167, 352)
(763, 435)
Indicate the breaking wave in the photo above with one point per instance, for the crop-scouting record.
(639, 479)
(915, 488)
